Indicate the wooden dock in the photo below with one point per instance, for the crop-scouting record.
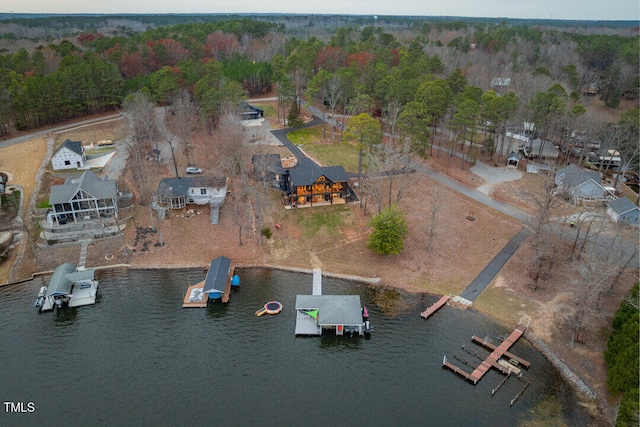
(485, 343)
(492, 361)
(194, 298)
(227, 290)
(435, 307)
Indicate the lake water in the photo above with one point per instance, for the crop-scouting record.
(137, 358)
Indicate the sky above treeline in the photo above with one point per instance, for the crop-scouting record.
(617, 10)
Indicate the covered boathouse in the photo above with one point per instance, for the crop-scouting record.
(216, 285)
(342, 313)
(70, 286)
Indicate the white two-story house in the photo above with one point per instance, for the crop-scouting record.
(69, 155)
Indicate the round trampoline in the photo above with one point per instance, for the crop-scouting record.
(272, 307)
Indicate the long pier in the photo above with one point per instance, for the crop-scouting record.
(492, 360)
(435, 307)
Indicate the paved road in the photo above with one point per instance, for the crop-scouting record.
(65, 127)
(281, 135)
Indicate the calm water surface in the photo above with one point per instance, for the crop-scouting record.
(137, 358)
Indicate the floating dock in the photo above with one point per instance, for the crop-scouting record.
(493, 360)
(435, 307)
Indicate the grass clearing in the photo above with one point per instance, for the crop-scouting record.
(325, 151)
(269, 110)
(331, 219)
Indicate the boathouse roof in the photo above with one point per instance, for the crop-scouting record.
(333, 309)
(216, 280)
(64, 276)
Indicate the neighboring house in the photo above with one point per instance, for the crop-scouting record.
(521, 131)
(268, 167)
(580, 184)
(249, 112)
(608, 160)
(81, 198)
(308, 184)
(623, 211)
(177, 193)
(69, 155)
(540, 148)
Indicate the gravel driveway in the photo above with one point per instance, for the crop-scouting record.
(494, 176)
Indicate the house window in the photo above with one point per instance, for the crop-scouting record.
(203, 191)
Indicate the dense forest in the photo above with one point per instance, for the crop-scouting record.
(622, 359)
(572, 80)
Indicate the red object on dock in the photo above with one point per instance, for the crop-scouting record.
(435, 307)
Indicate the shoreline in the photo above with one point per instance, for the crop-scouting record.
(564, 370)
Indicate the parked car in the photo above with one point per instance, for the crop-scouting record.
(193, 170)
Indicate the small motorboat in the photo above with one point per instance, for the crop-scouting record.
(41, 294)
(367, 327)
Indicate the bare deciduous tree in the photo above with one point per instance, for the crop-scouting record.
(184, 117)
(437, 199)
(139, 112)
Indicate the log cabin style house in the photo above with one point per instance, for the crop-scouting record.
(309, 184)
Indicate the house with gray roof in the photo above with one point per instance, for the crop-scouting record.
(177, 193)
(83, 197)
(309, 184)
(623, 211)
(69, 155)
(581, 185)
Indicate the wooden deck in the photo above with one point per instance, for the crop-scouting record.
(435, 307)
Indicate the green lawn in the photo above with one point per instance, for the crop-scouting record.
(327, 152)
(330, 218)
(269, 110)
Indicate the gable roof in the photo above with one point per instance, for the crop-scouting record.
(89, 182)
(333, 309)
(622, 205)
(75, 146)
(216, 280)
(574, 176)
(307, 173)
(179, 187)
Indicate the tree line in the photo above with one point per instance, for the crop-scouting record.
(439, 77)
